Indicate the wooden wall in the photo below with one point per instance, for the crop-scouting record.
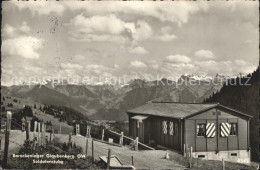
(167, 140)
(239, 142)
(153, 131)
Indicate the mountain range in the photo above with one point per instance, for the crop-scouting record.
(110, 102)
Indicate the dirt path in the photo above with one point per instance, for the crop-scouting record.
(17, 138)
(142, 159)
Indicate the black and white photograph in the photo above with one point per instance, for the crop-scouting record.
(130, 85)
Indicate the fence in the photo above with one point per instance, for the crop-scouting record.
(38, 136)
(34, 141)
(99, 132)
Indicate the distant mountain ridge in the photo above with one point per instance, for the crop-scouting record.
(111, 101)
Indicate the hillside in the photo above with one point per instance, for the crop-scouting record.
(56, 116)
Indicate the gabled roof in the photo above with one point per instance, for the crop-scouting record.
(177, 110)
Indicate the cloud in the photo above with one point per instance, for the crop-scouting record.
(166, 29)
(166, 34)
(175, 70)
(142, 31)
(107, 28)
(24, 46)
(43, 8)
(10, 31)
(138, 64)
(79, 57)
(204, 54)
(138, 50)
(167, 37)
(99, 24)
(168, 11)
(71, 66)
(248, 42)
(25, 28)
(240, 62)
(99, 69)
(227, 68)
(71, 69)
(178, 59)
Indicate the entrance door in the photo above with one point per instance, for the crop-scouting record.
(137, 126)
(140, 131)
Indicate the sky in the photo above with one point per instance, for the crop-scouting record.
(112, 39)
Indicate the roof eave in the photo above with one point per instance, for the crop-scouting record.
(193, 114)
(244, 114)
(154, 115)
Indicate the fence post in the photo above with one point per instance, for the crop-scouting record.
(34, 129)
(223, 164)
(35, 126)
(23, 127)
(39, 130)
(108, 158)
(43, 134)
(86, 147)
(184, 150)
(136, 144)
(190, 157)
(34, 143)
(133, 160)
(27, 130)
(51, 135)
(121, 139)
(77, 129)
(103, 133)
(69, 142)
(93, 156)
(7, 133)
(23, 124)
(88, 131)
(60, 128)
(187, 151)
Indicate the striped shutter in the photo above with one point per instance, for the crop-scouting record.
(198, 128)
(164, 127)
(77, 129)
(210, 130)
(171, 128)
(224, 129)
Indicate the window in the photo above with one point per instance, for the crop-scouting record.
(164, 127)
(233, 154)
(233, 129)
(201, 129)
(171, 131)
(201, 156)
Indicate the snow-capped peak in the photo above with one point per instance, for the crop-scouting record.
(196, 77)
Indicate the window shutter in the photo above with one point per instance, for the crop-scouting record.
(224, 129)
(164, 127)
(171, 128)
(210, 130)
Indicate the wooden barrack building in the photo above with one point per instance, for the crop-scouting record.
(213, 131)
